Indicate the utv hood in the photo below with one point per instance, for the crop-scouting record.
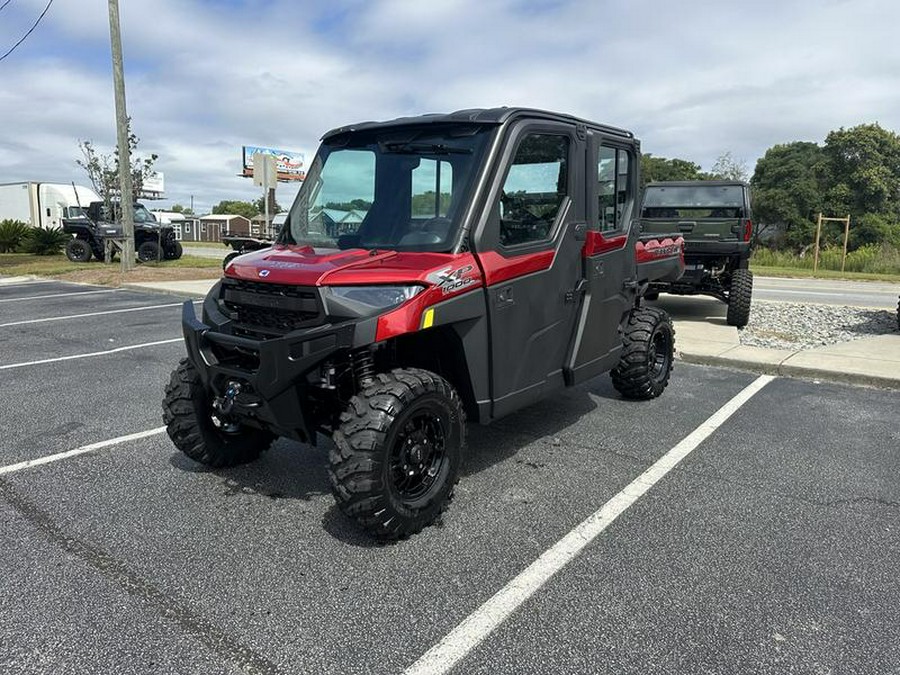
(307, 266)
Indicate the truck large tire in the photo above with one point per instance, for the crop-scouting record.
(78, 250)
(648, 352)
(398, 452)
(739, 296)
(188, 414)
(149, 251)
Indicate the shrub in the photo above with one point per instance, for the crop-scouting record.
(49, 241)
(12, 235)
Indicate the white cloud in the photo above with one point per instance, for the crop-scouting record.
(692, 79)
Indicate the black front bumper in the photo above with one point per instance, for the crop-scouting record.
(272, 373)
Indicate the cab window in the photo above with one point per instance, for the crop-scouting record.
(534, 189)
(614, 188)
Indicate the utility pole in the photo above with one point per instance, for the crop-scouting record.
(126, 197)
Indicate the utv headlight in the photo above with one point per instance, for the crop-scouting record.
(359, 301)
(367, 298)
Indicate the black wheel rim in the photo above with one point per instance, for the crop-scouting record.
(418, 457)
(659, 355)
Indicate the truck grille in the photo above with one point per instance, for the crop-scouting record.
(260, 310)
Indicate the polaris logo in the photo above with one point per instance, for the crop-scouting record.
(264, 273)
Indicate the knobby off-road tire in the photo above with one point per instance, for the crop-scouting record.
(149, 251)
(398, 453)
(188, 417)
(78, 250)
(228, 258)
(647, 355)
(175, 252)
(739, 296)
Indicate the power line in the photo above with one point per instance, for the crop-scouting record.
(5, 4)
(30, 30)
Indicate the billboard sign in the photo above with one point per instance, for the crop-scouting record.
(290, 165)
(152, 187)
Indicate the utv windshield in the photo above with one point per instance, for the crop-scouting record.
(695, 201)
(401, 189)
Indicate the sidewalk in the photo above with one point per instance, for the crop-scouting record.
(702, 337)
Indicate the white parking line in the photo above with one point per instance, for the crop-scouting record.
(90, 354)
(60, 295)
(478, 625)
(79, 316)
(78, 451)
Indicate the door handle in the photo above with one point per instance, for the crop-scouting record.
(505, 296)
(580, 231)
(686, 226)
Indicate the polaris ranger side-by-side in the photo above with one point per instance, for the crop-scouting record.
(496, 262)
(715, 220)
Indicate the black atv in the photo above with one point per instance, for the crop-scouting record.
(152, 241)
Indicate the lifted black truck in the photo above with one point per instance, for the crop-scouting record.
(496, 262)
(717, 224)
(152, 241)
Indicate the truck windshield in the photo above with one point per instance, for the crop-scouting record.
(697, 201)
(401, 189)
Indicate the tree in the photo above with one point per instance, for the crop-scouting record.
(178, 208)
(103, 168)
(274, 206)
(729, 168)
(236, 207)
(861, 172)
(661, 169)
(787, 191)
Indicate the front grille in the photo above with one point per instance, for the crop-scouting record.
(260, 310)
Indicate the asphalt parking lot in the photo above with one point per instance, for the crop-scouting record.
(772, 547)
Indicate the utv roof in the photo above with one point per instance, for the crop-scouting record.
(693, 183)
(486, 116)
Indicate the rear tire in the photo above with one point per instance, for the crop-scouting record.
(398, 453)
(188, 416)
(78, 250)
(647, 355)
(175, 252)
(739, 297)
(149, 251)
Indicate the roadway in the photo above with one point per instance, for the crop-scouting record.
(874, 294)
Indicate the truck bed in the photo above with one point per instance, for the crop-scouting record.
(659, 257)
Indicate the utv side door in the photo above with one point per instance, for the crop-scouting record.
(608, 257)
(529, 247)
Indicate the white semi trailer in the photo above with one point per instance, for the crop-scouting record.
(43, 204)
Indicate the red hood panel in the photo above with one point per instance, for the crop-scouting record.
(305, 266)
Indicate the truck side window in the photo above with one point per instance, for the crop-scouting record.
(613, 189)
(534, 189)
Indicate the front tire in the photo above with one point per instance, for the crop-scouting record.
(739, 297)
(149, 251)
(78, 250)
(398, 453)
(648, 352)
(188, 415)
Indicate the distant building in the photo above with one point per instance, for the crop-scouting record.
(259, 227)
(214, 227)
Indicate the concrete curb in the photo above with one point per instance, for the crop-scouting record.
(177, 292)
(782, 369)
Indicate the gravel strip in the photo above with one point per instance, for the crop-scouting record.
(790, 325)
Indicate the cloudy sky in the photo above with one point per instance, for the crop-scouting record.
(692, 79)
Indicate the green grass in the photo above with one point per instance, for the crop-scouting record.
(804, 273)
(16, 264)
